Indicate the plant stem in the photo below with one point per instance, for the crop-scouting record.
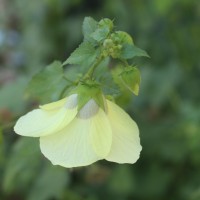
(90, 72)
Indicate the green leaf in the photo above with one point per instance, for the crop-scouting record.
(84, 55)
(89, 26)
(131, 79)
(100, 34)
(105, 26)
(131, 51)
(47, 85)
(45, 188)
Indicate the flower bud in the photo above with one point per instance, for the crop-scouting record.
(106, 22)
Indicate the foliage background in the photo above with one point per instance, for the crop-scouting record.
(34, 33)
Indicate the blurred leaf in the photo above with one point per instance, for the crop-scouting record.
(48, 84)
(84, 55)
(12, 95)
(1, 136)
(71, 195)
(50, 184)
(131, 51)
(195, 195)
(2, 158)
(122, 181)
(170, 78)
(22, 165)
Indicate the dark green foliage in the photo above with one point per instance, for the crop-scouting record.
(167, 109)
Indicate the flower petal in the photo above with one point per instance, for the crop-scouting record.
(100, 130)
(71, 147)
(101, 134)
(126, 142)
(69, 102)
(54, 105)
(40, 122)
(82, 142)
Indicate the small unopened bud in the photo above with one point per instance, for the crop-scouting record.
(119, 46)
(108, 43)
(106, 22)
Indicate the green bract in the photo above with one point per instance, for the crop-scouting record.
(89, 90)
(131, 79)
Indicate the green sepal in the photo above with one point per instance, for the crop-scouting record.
(131, 78)
(89, 90)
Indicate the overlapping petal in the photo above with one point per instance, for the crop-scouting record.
(70, 138)
(126, 142)
(85, 140)
(54, 105)
(45, 121)
(101, 134)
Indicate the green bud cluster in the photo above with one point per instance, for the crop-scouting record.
(111, 48)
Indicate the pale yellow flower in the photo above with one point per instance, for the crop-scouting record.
(73, 138)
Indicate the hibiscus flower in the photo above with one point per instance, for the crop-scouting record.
(82, 129)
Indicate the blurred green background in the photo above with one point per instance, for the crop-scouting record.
(34, 33)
